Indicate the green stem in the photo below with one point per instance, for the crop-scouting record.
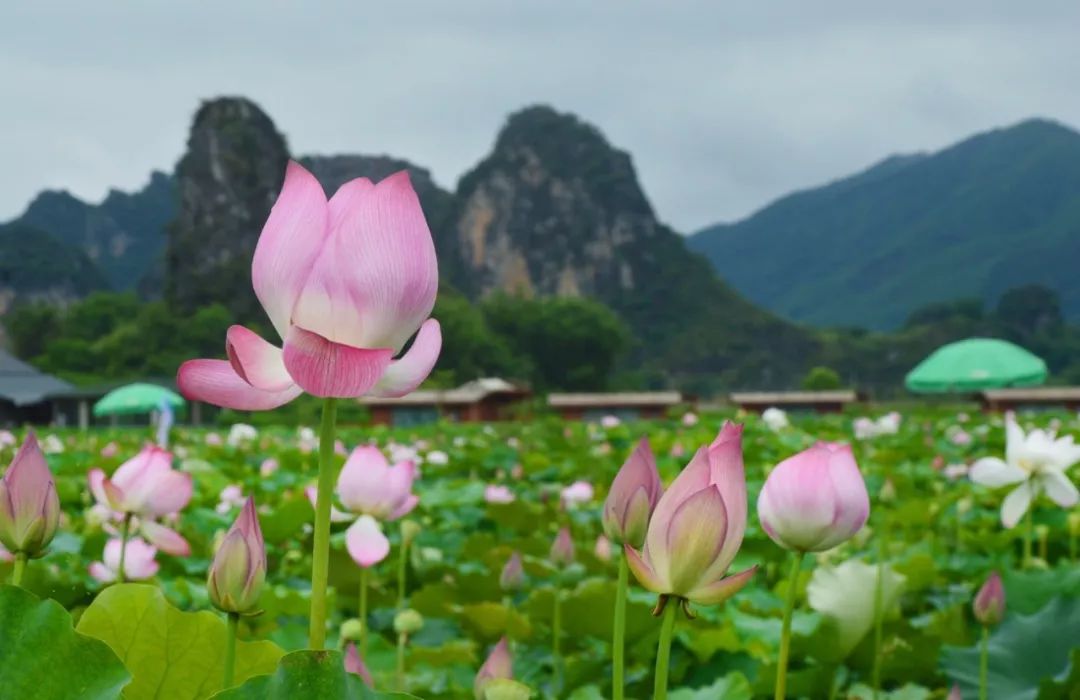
(984, 663)
(363, 611)
(663, 650)
(401, 576)
(785, 633)
(879, 604)
(401, 638)
(125, 531)
(19, 569)
(320, 557)
(556, 632)
(1029, 535)
(618, 634)
(230, 649)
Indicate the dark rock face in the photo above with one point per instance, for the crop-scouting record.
(124, 236)
(228, 180)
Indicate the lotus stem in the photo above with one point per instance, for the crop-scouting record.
(125, 531)
(320, 557)
(785, 634)
(1029, 535)
(879, 604)
(663, 651)
(401, 639)
(556, 632)
(401, 575)
(18, 569)
(984, 663)
(363, 611)
(618, 634)
(230, 649)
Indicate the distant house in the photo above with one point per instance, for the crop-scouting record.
(1063, 397)
(817, 401)
(481, 400)
(28, 395)
(626, 406)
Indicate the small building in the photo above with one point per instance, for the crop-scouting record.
(28, 395)
(481, 400)
(624, 405)
(817, 401)
(1048, 397)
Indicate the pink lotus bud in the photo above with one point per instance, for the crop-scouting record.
(498, 665)
(239, 567)
(954, 694)
(697, 527)
(354, 664)
(989, 603)
(29, 506)
(512, 577)
(632, 498)
(562, 549)
(368, 485)
(814, 500)
(602, 549)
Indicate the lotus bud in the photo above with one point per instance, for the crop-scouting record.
(29, 506)
(498, 665)
(989, 603)
(602, 550)
(512, 577)
(954, 694)
(409, 531)
(506, 689)
(814, 500)
(354, 664)
(351, 630)
(562, 549)
(239, 567)
(408, 621)
(632, 498)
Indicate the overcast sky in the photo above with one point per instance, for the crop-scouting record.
(724, 105)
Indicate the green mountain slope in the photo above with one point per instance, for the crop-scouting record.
(995, 211)
(34, 266)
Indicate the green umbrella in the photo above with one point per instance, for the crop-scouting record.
(975, 364)
(136, 398)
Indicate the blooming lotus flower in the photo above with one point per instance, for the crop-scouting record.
(238, 570)
(989, 603)
(230, 497)
(366, 543)
(496, 493)
(52, 445)
(499, 664)
(345, 283)
(1037, 461)
(7, 439)
(697, 527)
(213, 440)
(437, 457)
(354, 664)
(512, 577)
(956, 471)
(814, 500)
(775, 418)
(139, 561)
(632, 498)
(268, 467)
(148, 487)
(29, 506)
(845, 594)
(562, 549)
(368, 485)
(690, 419)
(610, 422)
(241, 434)
(576, 494)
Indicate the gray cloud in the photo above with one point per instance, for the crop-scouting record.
(723, 105)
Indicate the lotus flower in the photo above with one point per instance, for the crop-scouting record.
(368, 485)
(562, 549)
(845, 593)
(366, 543)
(345, 283)
(775, 418)
(1037, 462)
(633, 496)
(29, 506)
(354, 664)
(241, 434)
(498, 665)
(576, 494)
(814, 500)
(697, 527)
(139, 561)
(512, 577)
(989, 603)
(238, 570)
(148, 487)
(496, 493)
(602, 548)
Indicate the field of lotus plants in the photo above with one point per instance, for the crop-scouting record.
(937, 557)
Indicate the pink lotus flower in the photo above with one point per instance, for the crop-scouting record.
(268, 467)
(602, 550)
(5, 555)
(562, 549)
(354, 664)
(498, 665)
(230, 497)
(496, 493)
(576, 494)
(110, 450)
(989, 603)
(512, 577)
(7, 439)
(29, 506)
(213, 440)
(633, 496)
(610, 422)
(814, 500)
(368, 485)
(366, 543)
(690, 419)
(345, 283)
(139, 561)
(955, 694)
(238, 570)
(697, 527)
(148, 487)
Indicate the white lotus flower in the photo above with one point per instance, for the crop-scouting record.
(845, 594)
(1037, 462)
(775, 418)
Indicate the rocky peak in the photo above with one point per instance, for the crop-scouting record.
(227, 180)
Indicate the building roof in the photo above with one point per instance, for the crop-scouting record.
(780, 398)
(615, 399)
(23, 385)
(468, 393)
(1040, 393)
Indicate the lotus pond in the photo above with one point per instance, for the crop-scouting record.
(486, 492)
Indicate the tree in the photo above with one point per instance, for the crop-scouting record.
(821, 379)
(1028, 310)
